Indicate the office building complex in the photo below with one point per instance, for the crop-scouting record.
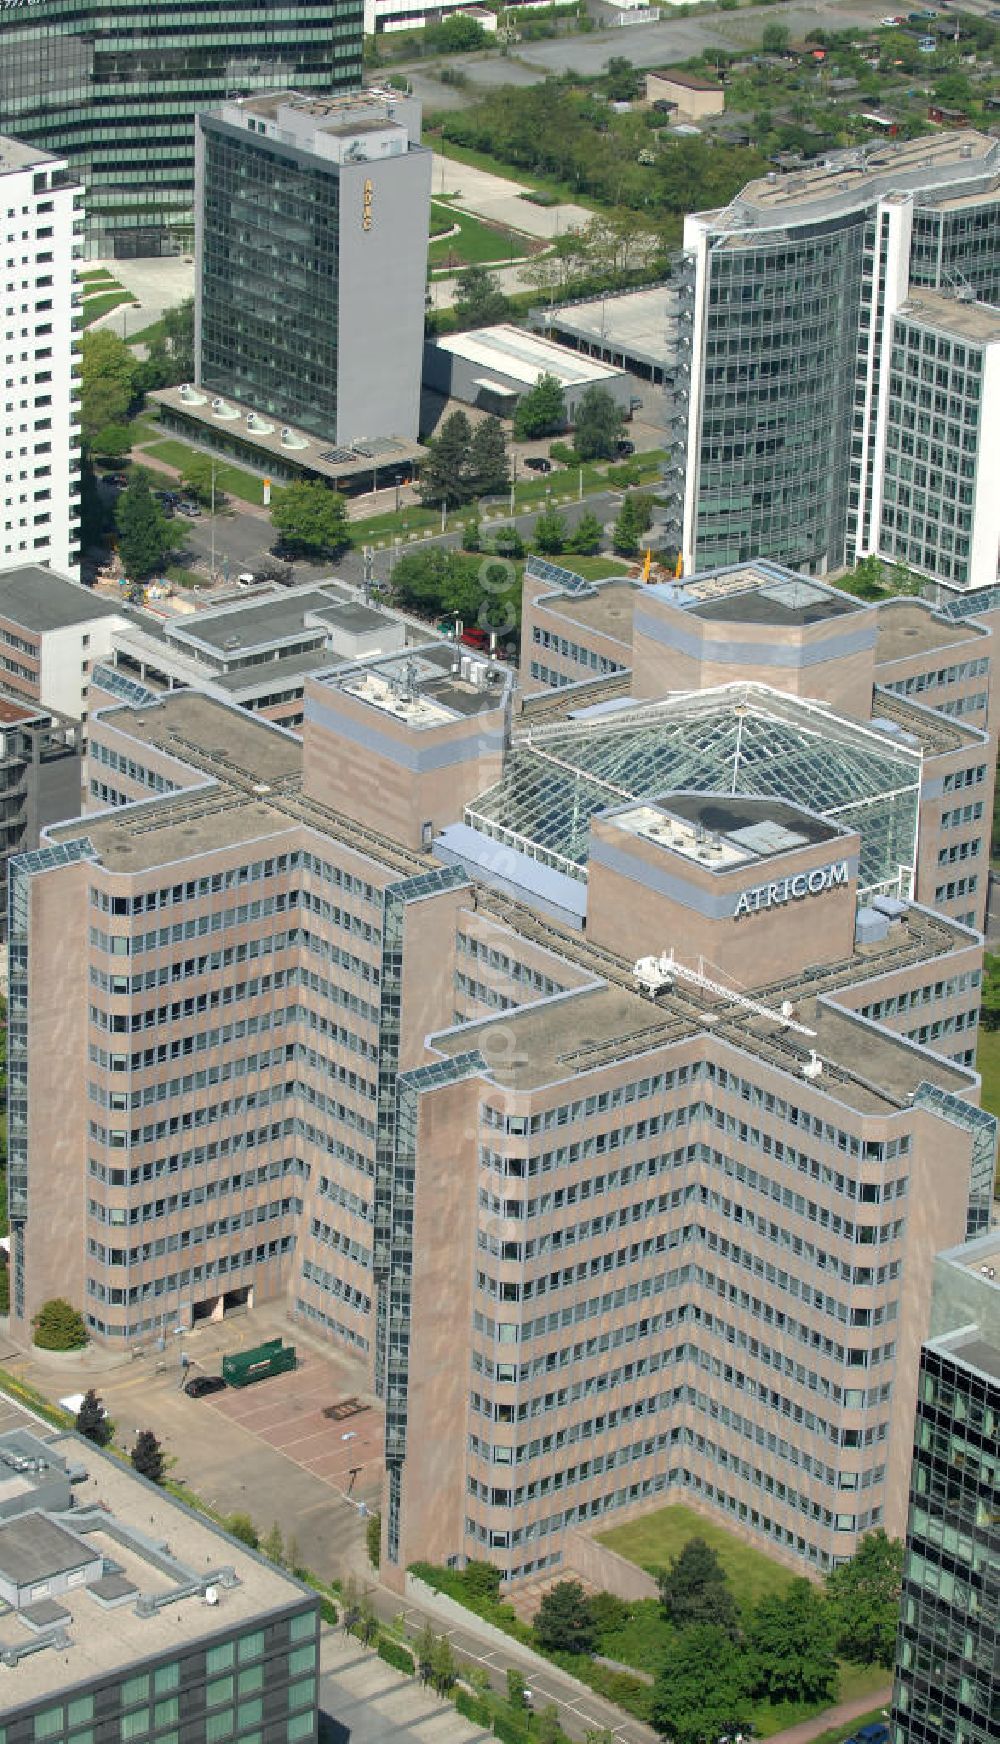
(948, 1657)
(41, 217)
(789, 374)
(311, 262)
(580, 1061)
(52, 631)
(127, 1615)
(116, 90)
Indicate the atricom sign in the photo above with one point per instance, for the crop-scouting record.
(813, 883)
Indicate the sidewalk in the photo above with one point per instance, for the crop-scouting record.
(842, 1715)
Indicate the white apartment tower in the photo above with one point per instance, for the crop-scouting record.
(41, 217)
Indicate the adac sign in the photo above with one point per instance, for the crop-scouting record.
(791, 889)
(367, 204)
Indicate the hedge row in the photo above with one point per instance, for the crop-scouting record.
(395, 1655)
(473, 1708)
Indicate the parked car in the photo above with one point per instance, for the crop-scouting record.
(474, 637)
(537, 463)
(624, 447)
(202, 1385)
(117, 478)
(876, 1733)
(188, 507)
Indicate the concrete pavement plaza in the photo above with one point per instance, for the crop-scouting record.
(499, 200)
(364, 1701)
(230, 1464)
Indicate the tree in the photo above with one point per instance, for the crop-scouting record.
(178, 338)
(774, 39)
(694, 1589)
(197, 480)
(541, 411)
(241, 1527)
(147, 1457)
(107, 380)
(701, 1687)
(864, 1596)
(599, 424)
(868, 578)
(479, 301)
(489, 465)
(443, 1666)
(509, 544)
(93, 1421)
(550, 532)
(59, 1326)
(563, 1623)
(455, 36)
(373, 1539)
(548, 1729)
(113, 443)
(95, 516)
(586, 536)
(625, 539)
(367, 1620)
(311, 517)
(621, 81)
(445, 475)
(791, 1646)
(515, 1689)
(423, 1647)
(145, 536)
(273, 1546)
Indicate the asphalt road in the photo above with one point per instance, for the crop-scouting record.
(645, 45)
(242, 541)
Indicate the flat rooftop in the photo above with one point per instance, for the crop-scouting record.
(906, 627)
(38, 600)
(15, 155)
(17, 714)
(847, 180)
(961, 317)
(606, 606)
(793, 602)
(105, 1641)
(977, 1353)
(634, 323)
(509, 351)
(429, 686)
(258, 622)
(271, 437)
(722, 831)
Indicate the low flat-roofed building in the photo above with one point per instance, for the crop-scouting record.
(280, 451)
(52, 630)
(122, 1600)
(491, 367)
(694, 97)
(628, 330)
(256, 650)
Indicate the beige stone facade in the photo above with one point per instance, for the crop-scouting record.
(602, 1237)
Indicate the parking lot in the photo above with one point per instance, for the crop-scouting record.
(265, 1450)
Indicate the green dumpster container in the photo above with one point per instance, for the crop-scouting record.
(242, 1367)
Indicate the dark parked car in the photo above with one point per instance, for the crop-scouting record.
(538, 463)
(202, 1385)
(118, 478)
(876, 1733)
(624, 446)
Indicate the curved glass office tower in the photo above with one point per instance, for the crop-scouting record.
(784, 321)
(115, 89)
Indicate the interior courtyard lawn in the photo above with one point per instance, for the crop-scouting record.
(655, 1540)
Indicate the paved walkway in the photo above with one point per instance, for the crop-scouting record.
(842, 1715)
(498, 199)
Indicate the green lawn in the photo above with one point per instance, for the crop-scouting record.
(655, 1540)
(147, 335)
(476, 244)
(592, 569)
(95, 307)
(98, 272)
(988, 1065)
(839, 1733)
(460, 154)
(231, 480)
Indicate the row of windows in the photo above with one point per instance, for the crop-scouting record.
(573, 651)
(184, 1282)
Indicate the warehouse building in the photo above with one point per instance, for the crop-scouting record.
(491, 367)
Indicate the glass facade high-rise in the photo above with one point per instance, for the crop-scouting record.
(947, 1688)
(115, 89)
(783, 383)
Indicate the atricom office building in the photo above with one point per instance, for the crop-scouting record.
(592, 1063)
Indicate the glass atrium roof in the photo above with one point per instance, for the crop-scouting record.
(740, 738)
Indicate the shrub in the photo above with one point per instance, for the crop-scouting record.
(242, 1527)
(511, 1731)
(328, 1610)
(59, 1326)
(396, 1655)
(473, 1708)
